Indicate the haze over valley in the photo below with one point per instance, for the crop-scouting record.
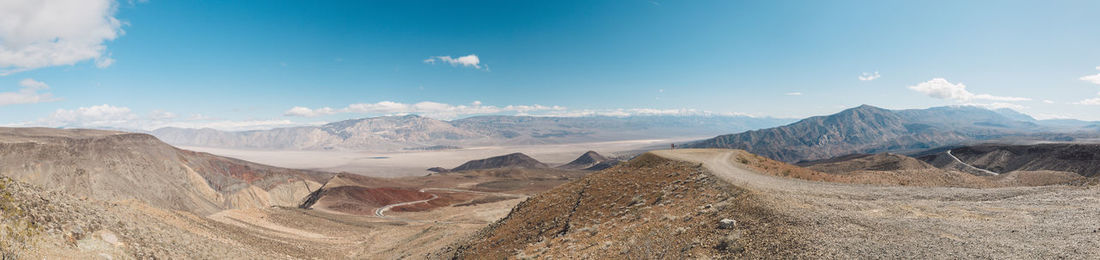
(549, 130)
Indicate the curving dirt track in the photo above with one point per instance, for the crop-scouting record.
(380, 212)
(866, 221)
(956, 159)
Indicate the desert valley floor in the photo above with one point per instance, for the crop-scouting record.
(683, 203)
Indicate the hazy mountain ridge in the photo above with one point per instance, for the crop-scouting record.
(869, 129)
(390, 133)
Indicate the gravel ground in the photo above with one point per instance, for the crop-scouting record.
(867, 221)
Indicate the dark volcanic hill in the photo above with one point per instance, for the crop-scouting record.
(514, 160)
(867, 162)
(869, 129)
(1083, 159)
(114, 166)
(586, 160)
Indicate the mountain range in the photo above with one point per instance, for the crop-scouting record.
(869, 129)
(412, 132)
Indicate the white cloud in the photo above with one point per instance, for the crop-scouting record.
(109, 116)
(94, 116)
(997, 105)
(1048, 101)
(426, 108)
(793, 93)
(869, 77)
(1090, 102)
(307, 112)
(27, 94)
(1095, 79)
(942, 89)
(44, 33)
(448, 111)
(160, 115)
(195, 117)
(104, 62)
(625, 112)
(466, 61)
(230, 125)
(1042, 116)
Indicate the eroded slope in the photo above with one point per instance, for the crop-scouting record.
(114, 166)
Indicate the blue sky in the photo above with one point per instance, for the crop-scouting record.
(256, 64)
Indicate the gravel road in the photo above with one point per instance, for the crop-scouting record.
(867, 221)
(380, 212)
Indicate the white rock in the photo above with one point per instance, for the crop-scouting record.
(727, 223)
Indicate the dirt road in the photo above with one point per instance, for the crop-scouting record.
(956, 159)
(861, 221)
(380, 212)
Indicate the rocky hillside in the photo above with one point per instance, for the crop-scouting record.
(648, 208)
(868, 129)
(40, 223)
(993, 159)
(411, 132)
(513, 160)
(117, 166)
(867, 162)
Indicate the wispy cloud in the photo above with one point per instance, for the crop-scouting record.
(93, 116)
(1048, 101)
(942, 89)
(110, 116)
(1090, 102)
(997, 105)
(625, 112)
(38, 33)
(1045, 116)
(449, 111)
(28, 93)
(793, 93)
(465, 61)
(427, 108)
(1094, 79)
(869, 76)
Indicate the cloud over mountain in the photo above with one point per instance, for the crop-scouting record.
(427, 108)
(942, 89)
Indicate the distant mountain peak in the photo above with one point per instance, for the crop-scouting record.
(866, 108)
(1014, 115)
(870, 129)
(586, 160)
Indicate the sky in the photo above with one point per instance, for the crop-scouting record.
(237, 65)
